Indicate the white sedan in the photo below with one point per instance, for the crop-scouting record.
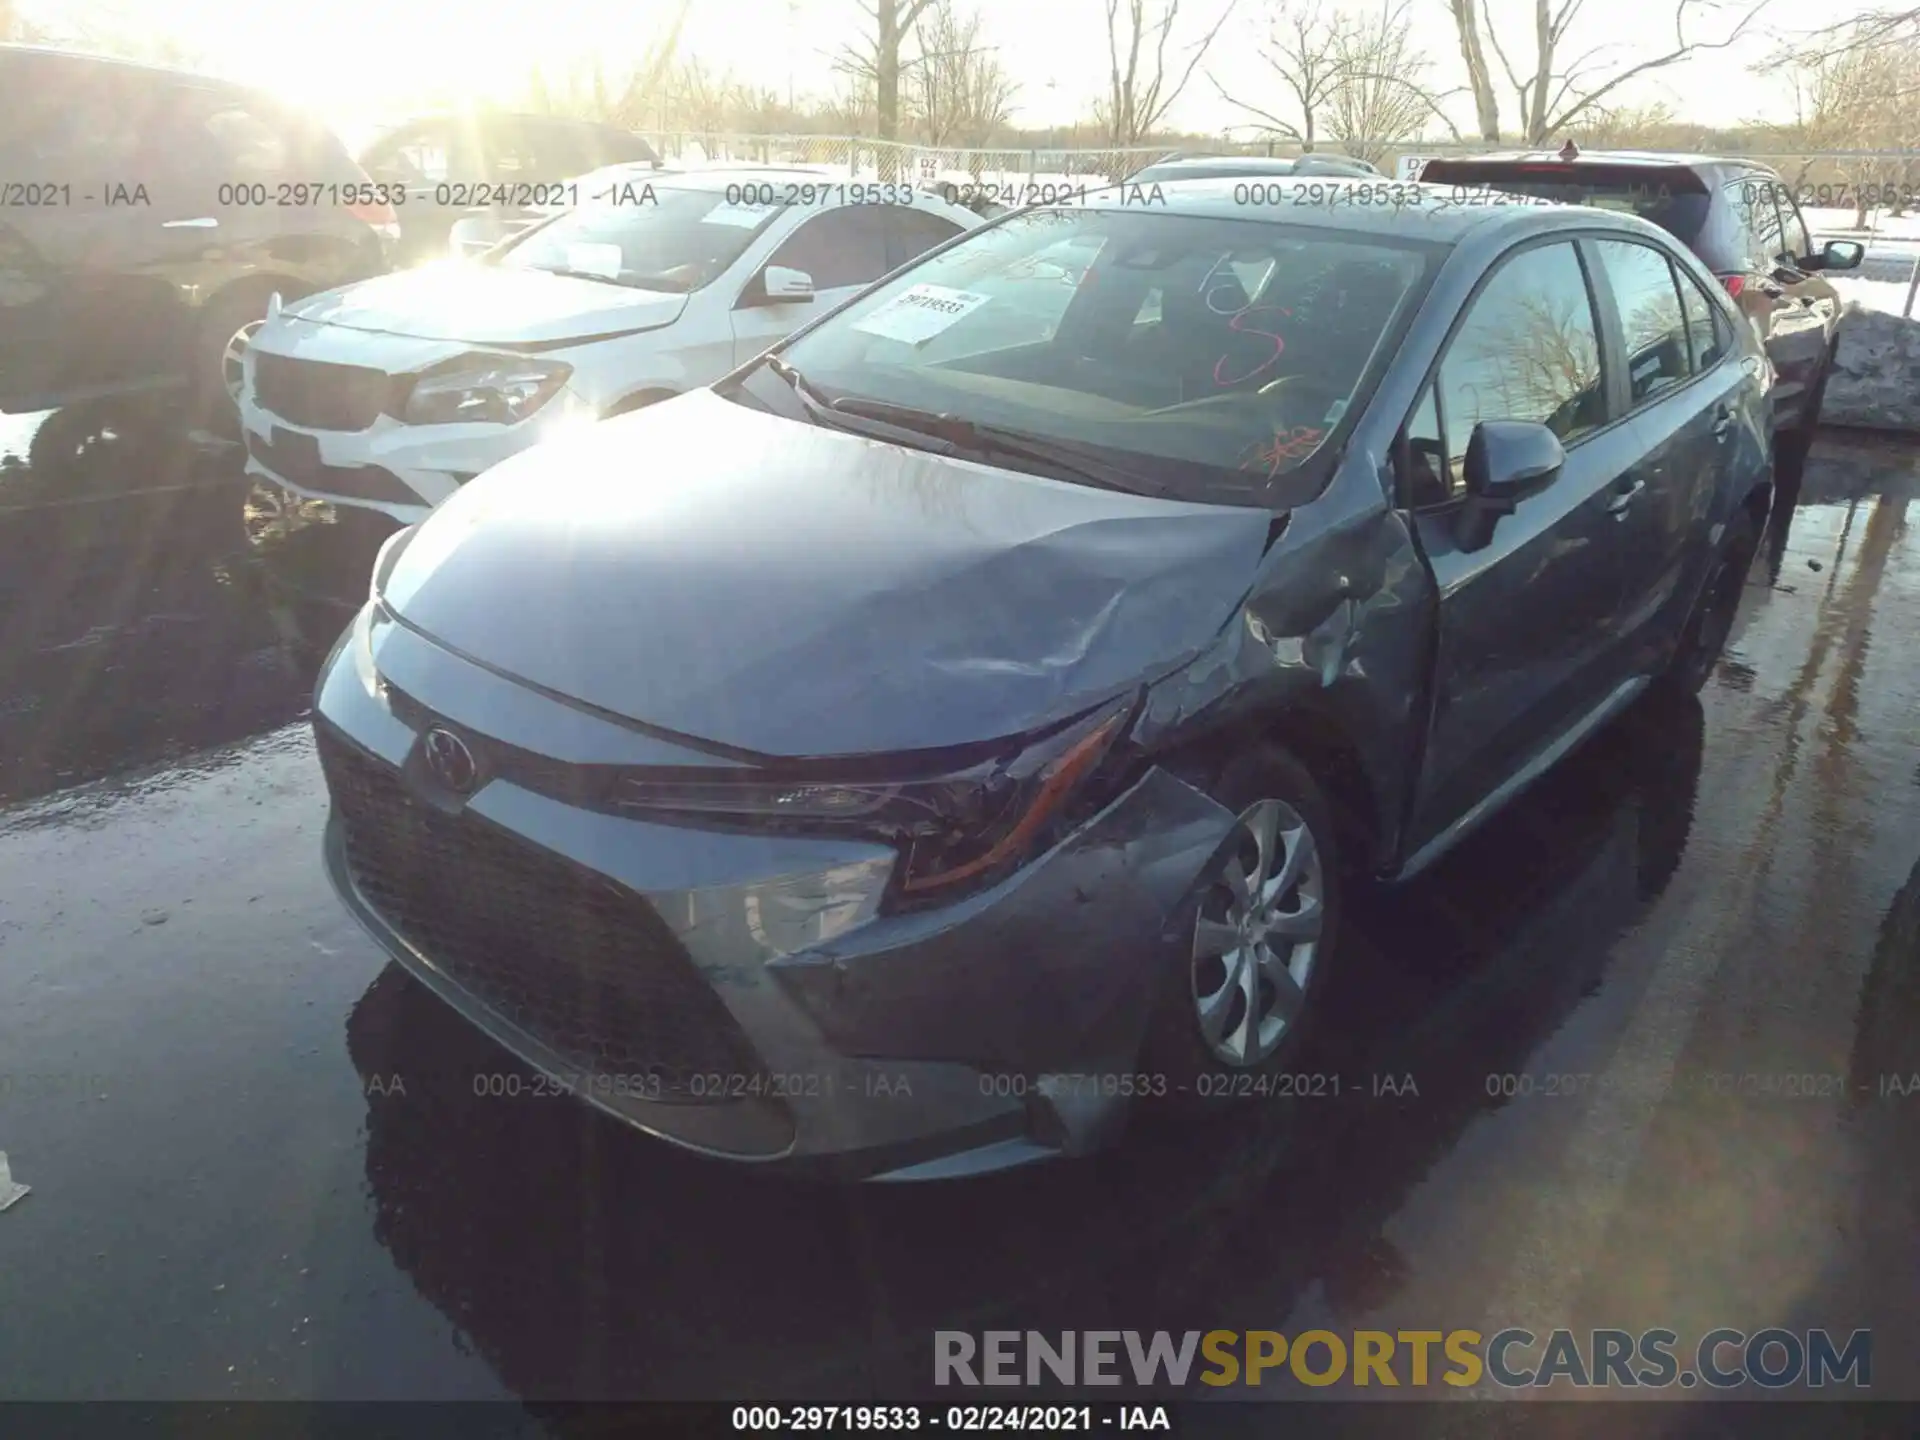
(392, 393)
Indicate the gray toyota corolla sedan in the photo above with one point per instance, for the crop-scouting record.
(963, 723)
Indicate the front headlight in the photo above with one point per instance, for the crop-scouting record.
(954, 832)
(496, 389)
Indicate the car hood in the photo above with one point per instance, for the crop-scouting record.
(790, 590)
(486, 305)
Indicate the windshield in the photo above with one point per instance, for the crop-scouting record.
(1223, 353)
(644, 235)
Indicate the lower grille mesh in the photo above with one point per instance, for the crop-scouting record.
(585, 967)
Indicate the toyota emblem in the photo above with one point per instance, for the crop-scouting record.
(450, 760)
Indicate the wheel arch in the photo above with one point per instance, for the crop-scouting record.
(1324, 741)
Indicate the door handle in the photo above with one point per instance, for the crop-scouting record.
(1618, 506)
(1722, 423)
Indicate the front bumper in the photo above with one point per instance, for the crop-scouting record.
(403, 471)
(915, 1046)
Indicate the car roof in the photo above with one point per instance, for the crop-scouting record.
(1653, 159)
(55, 55)
(1253, 164)
(1437, 215)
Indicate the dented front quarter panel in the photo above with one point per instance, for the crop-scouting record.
(1339, 623)
(1052, 971)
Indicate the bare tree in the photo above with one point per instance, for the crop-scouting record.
(1378, 98)
(627, 95)
(1298, 51)
(1141, 88)
(876, 60)
(1554, 91)
(1486, 107)
(1855, 97)
(958, 91)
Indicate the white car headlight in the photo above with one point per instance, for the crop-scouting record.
(497, 389)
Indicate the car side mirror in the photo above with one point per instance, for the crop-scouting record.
(782, 286)
(1841, 255)
(1506, 461)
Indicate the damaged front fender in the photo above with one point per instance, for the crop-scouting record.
(1337, 638)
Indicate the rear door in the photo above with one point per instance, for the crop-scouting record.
(1527, 622)
(86, 294)
(1775, 297)
(1681, 396)
(440, 162)
(1816, 304)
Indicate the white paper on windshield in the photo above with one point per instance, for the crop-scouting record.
(602, 260)
(744, 216)
(921, 313)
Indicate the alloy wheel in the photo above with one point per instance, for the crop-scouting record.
(1258, 934)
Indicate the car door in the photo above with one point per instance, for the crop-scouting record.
(439, 162)
(1526, 647)
(86, 302)
(843, 249)
(1793, 334)
(1810, 321)
(1682, 408)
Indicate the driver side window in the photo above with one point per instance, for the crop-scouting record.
(842, 247)
(1528, 349)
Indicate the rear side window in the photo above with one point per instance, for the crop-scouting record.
(1673, 198)
(1529, 349)
(1793, 230)
(911, 233)
(1709, 337)
(847, 246)
(1647, 297)
(1753, 202)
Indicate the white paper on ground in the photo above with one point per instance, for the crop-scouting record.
(606, 260)
(921, 313)
(744, 216)
(10, 1192)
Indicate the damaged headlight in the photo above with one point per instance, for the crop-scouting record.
(495, 389)
(953, 831)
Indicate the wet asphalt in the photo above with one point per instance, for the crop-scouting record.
(259, 1168)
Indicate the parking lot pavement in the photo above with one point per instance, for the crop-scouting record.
(260, 1168)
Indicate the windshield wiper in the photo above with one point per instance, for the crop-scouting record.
(580, 275)
(964, 434)
(814, 398)
(959, 433)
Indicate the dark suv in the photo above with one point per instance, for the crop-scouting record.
(460, 165)
(1737, 216)
(147, 217)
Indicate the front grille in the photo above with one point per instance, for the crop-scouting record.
(584, 966)
(318, 395)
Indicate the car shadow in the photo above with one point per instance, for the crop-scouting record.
(584, 1261)
(153, 601)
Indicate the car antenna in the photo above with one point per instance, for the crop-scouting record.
(1569, 152)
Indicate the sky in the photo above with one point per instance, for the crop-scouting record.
(352, 59)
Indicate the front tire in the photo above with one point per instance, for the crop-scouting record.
(1265, 925)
